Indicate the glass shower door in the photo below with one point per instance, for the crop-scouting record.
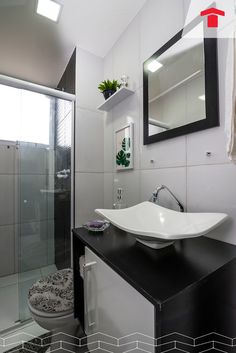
(44, 190)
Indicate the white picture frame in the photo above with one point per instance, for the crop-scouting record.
(124, 148)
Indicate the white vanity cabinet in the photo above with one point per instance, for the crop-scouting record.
(112, 306)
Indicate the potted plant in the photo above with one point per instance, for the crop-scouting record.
(108, 88)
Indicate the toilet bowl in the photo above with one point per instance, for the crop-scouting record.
(51, 300)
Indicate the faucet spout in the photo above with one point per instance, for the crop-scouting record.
(155, 194)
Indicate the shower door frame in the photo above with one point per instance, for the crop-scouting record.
(25, 85)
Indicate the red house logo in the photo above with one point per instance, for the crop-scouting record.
(212, 16)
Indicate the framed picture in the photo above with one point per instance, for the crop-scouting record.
(124, 147)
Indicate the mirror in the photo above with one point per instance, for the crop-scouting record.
(181, 86)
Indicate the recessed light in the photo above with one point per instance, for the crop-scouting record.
(49, 9)
(154, 66)
(202, 98)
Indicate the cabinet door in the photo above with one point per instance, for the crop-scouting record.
(112, 306)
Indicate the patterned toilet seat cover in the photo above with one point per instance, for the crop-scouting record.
(54, 293)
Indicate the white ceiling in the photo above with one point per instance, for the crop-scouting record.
(35, 49)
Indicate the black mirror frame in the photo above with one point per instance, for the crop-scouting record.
(211, 90)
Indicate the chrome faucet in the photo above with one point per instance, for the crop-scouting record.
(155, 194)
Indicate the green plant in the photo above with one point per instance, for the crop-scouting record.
(109, 85)
(123, 156)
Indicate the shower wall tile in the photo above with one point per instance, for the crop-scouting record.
(50, 197)
(50, 242)
(9, 308)
(7, 159)
(89, 196)
(33, 245)
(7, 199)
(33, 160)
(33, 202)
(7, 253)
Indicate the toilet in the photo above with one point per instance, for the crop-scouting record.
(51, 300)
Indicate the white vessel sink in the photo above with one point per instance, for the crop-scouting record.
(158, 227)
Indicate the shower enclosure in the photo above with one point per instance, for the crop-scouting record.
(36, 184)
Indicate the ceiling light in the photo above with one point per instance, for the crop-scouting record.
(202, 98)
(49, 9)
(154, 66)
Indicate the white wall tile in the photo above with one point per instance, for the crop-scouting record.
(7, 199)
(7, 255)
(214, 139)
(164, 154)
(169, 153)
(186, 7)
(209, 185)
(124, 113)
(108, 142)
(89, 73)
(174, 178)
(7, 159)
(157, 26)
(211, 188)
(89, 141)
(129, 181)
(126, 55)
(89, 196)
(108, 190)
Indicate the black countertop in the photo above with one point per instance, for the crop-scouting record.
(159, 275)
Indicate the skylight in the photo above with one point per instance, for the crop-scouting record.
(49, 9)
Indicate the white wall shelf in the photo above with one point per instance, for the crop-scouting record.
(115, 99)
(181, 83)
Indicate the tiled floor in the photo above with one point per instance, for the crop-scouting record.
(13, 295)
(32, 338)
(23, 333)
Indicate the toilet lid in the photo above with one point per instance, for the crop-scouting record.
(54, 293)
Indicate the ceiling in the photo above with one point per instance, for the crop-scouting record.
(35, 49)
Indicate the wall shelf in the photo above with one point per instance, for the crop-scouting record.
(115, 99)
(181, 83)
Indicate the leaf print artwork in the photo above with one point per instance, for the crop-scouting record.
(124, 149)
(126, 144)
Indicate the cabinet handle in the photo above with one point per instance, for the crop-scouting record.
(87, 267)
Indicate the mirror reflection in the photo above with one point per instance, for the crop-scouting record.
(176, 86)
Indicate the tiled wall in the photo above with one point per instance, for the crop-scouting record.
(202, 183)
(89, 160)
(36, 207)
(7, 210)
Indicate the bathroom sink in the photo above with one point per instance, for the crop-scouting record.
(158, 227)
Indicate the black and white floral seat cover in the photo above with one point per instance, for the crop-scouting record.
(54, 293)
